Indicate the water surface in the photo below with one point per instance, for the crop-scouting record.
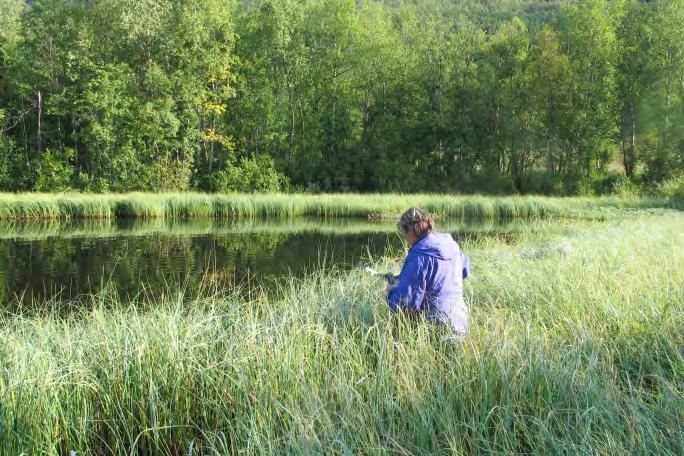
(65, 260)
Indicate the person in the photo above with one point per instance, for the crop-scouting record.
(431, 279)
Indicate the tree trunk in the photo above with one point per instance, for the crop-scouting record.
(632, 152)
(333, 143)
(292, 131)
(39, 141)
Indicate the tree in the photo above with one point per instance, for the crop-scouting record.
(513, 142)
(664, 102)
(587, 32)
(553, 101)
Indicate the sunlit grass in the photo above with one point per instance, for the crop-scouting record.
(575, 347)
(200, 205)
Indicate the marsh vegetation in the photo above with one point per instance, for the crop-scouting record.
(575, 347)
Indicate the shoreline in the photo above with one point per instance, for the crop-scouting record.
(44, 206)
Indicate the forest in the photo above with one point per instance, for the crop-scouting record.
(509, 96)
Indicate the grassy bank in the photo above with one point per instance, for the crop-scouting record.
(199, 205)
(576, 347)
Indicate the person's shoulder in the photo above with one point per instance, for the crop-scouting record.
(444, 235)
(443, 239)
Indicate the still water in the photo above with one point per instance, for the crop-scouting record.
(65, 260)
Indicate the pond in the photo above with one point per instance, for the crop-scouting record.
(64, 260)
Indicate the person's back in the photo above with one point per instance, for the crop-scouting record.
(431, 280)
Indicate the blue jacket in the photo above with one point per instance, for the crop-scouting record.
(431, 281)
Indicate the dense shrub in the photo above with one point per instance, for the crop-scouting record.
(55, 170)
(256, 174)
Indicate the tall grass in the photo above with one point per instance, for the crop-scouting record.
(575, 348)
(200, 205)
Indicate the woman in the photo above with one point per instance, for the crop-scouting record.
(431, 280)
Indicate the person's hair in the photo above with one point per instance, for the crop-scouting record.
(417, 220)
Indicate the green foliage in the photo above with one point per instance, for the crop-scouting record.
(673, 188)
(511, 96)
(55, 171)
(170, 175)
(6, 179)
(616, 184)
(5, 153)
(9, 19)
(255, 174)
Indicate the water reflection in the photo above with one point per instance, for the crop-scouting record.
(40, 260)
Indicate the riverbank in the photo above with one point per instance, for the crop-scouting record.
(372, 206)
(575, 348)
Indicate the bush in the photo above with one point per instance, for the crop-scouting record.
(615, 184)
(170, 174)
(673, 188)
(6, 180)
(665, 163)
(256, 174)
(55, 170)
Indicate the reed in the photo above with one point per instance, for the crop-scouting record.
(200, 205)
(575, 348)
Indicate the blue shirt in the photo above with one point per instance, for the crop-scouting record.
(431, 281)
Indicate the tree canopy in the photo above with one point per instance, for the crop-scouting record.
(334, 95)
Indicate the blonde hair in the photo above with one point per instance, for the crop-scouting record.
(417, 220)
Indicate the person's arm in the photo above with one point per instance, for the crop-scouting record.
(410, 289)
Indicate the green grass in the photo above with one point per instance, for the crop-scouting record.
(200, 205)
(575, 348)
